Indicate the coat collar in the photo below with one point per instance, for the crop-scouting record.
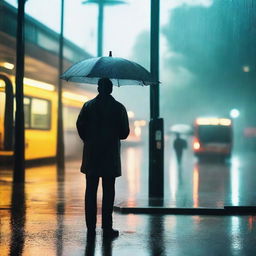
(105, 97)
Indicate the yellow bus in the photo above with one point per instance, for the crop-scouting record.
(40, 112)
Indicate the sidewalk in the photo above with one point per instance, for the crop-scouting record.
(46, 217)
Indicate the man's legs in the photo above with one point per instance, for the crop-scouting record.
(108, 184)
(91, 202)
(179, 156)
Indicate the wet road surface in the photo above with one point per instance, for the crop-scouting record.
(210, 183)
(46, 216)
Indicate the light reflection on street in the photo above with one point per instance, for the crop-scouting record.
(133, 171)
(195, 185)
(173, 178)
(235, 181)
(50, 214)
(132, 222)
(236, 244)
(133, 181)
(208, 183)
(251, 222)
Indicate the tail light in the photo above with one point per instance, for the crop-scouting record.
(196, 144)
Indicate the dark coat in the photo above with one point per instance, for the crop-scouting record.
(179, 144)
(101, 124)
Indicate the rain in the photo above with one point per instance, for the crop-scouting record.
(202, 161)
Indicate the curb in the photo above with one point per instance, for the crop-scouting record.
(227, 210)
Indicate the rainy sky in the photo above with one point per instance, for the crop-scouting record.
(207, 51)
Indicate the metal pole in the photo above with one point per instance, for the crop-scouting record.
(100, 28)
(154, 59)
(156, 141)
(101, 4)
(60, 136)
(19, 150)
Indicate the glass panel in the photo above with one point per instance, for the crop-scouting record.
(70, 116)
(47, 42)
(40, 116)
(27, 112)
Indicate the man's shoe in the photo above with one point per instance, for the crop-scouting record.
(110, 233)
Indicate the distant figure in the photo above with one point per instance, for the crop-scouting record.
(179, 145)
(101, 124)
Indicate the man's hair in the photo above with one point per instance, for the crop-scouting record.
(105, 86)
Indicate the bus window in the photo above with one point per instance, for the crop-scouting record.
(40, 114)
(27, 111)
(214, 133)
(36, 113)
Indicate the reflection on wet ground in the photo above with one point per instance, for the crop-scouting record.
(46, 215)
(209, 183)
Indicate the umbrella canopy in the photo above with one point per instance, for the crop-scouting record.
(181, 129)
(120, 71)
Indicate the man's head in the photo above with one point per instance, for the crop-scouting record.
(105, 86)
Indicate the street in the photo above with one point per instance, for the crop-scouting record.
(209, 183)
(46, 216)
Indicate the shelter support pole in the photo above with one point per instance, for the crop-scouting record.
(100, 28)
(19, 150)
(60, 135)
(156, 141)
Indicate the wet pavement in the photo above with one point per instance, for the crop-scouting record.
(46, 216)
(194, 184)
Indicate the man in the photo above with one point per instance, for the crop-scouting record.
(179, 144)
(101, 124)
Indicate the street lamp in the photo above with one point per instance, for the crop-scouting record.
(234, 113)
(101, 4)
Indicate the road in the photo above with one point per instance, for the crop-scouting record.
(46, 216)
(209, 183)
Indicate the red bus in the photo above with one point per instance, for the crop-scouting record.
(213, 136)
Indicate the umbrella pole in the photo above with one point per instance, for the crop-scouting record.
(156, 142)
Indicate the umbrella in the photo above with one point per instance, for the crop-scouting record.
(120, 71)
(181, 129)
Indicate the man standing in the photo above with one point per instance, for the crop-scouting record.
(101, 124)
(179, 144)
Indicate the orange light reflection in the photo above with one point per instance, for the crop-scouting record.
(133, 172)
(251, 220)
(195, 185)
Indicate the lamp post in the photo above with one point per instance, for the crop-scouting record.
(101, 4)
(19, 150)
(60, 137)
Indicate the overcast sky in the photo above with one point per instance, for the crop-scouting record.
(123, 23)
